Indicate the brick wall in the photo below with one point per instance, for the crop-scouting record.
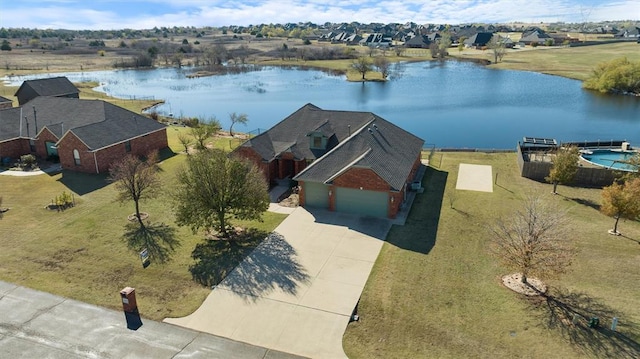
(362, 177)
(139, 147)
(41, 142)
(14, 148)
(267, 169)
(65, 152)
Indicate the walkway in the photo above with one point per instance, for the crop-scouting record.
(35, 324)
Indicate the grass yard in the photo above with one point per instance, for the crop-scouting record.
(81, 253)
(435, 292)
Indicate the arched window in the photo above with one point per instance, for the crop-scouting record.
(76, 157)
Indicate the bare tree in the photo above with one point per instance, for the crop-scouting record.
(382, 65)
(621, 200)
(362, 65)
(204, 130)
(497, 47)
(136, 179)
(185, 141)
(565, 167)
(534, 240)
(237, 118)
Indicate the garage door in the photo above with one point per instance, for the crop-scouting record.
(363, 202)
(316, 195)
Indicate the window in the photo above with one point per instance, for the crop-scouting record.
(127, 146)
(317, 142)
(76, 157)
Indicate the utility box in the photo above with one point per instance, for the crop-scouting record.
(128, 296)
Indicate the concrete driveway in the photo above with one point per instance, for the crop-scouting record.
(296, 292)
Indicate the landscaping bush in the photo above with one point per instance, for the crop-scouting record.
(28, 161)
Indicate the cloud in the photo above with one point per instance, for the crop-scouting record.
(117, 14)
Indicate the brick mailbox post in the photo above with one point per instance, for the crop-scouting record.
(128, 296)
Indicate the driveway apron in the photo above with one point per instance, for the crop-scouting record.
(297, 291)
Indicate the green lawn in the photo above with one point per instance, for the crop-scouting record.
(81, 253)
(435, 292)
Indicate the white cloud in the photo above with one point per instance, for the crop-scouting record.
(74, 14)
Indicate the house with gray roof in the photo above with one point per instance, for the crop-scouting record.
(84, 135)
(345, 161)
(55, 86)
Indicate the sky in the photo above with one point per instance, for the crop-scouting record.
(146, 14)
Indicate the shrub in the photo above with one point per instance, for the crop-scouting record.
(28, 161)
(64, 201)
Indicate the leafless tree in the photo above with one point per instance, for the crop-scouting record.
(382, 65)
(535, 240)
(136, 179)
(362, 65)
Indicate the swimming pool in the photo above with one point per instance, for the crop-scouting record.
(610, 159)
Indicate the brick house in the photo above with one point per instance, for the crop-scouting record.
(85, 135)
(345, 161)
(54, 87)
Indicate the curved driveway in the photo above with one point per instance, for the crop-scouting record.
(296, 292)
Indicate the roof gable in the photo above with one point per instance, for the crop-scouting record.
(379, 145)
(293, 131)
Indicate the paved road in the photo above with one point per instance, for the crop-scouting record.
(35, 324)
(296, 292)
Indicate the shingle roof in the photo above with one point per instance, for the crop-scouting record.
(4, 99)
(378, 145)
(293, 131)
(97, 123)
(54, 86)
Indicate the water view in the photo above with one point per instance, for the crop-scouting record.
(450, 104)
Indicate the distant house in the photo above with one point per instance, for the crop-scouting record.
(376, 40)
(534, 35)
(55, 86)
(632, 32)
(478, 40)
(5, 103)
(345, 161)
(85, 135)
(418, 42)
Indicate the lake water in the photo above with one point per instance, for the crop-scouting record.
(450, 104)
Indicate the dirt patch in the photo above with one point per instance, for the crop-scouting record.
(533, 287)
(143, 215)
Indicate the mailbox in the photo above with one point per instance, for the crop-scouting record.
(128, 296)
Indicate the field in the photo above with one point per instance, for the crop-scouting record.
(435, 292)
(81, 253)
(571, 62)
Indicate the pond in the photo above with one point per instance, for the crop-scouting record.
(448, 104)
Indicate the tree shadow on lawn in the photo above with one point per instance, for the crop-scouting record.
(267, 267)
(158, 238)
(570, 313)
(584, 202)
(420, 230)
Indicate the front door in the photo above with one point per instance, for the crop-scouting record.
(52, 150)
